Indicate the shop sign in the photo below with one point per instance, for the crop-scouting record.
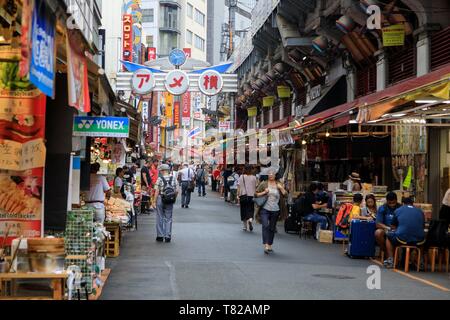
(186, 114)
(151, 53)
(268, 101)
(188, 52)
(127, 36)
(176, 107)
(224, 126)
(210, 83)
(252, 111)
(394, 35)
(177, 82)
(142, 81)
(315, 92)
(42, 69)
(101, 127)
(284, 92)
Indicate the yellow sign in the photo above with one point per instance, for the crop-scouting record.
(169, 106)
(284, 92)
(252, 111)
(268, 101)
(394, 35)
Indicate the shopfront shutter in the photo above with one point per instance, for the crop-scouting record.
(402, 63)
(366, 80)
(440, 48)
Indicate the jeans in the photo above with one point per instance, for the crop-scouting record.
(201, 188)
(317, 218)
(269, 221)
(163, 219)
(185, 194)
(214, 184)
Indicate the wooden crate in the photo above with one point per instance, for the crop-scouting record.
(112, 246)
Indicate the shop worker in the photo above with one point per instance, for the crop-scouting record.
(308, 207)
(119, 180)
(353, 183)
(166, 194)
(385, 215)
(409, 224)
(187, 178)
(98, 191)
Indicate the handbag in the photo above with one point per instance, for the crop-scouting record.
(191, 186)
(244, 198)
(260, 201)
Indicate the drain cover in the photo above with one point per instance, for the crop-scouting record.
(333, 276)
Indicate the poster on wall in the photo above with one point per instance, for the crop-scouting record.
(77, 75)
(43, 49)
(22, 154)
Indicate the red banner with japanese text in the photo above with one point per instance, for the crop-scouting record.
(186, 114)
(127, 37)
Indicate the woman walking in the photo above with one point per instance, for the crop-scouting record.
(270, 211)
(246, 192)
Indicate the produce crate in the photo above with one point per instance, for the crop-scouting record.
(112, 245)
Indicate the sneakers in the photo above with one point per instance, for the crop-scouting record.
(250, 226)
(167, 240)
(159, 239)
(389, 263)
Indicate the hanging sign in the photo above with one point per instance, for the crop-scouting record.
(210, 83)
(151, 53)
(284, 92)
(177, 57)
(394, 35)
(186, 116)
(177, 82)
(101, 127)
(252, 111)
(188, 52)
(224, 126)
(176, 119)
(77, 75)
(268, 101)
(143, 81)
(42, 69)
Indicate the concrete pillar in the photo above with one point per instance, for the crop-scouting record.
(281, 111)
(423, 54)
(271, 116)
(382, 70)
(351, 86)
(262, 119)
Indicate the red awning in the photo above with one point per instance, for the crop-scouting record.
(280, 124)
(327, 114)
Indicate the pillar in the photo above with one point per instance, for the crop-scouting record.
(351, 85)
(423, 59)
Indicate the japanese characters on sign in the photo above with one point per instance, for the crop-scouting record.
(210, 82)
(177, 82)
(142, 81)
(188, 52)
(224, 126)
(151, 53)
(176, 119)
(186, 116)
(127, 37)
(101, 127)
(42, 69)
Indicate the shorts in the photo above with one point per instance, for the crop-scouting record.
(396, 241)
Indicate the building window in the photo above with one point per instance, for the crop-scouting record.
(149, 41)
(199, 17)
(190, 10)
(148, 15)
(199, 43)
(169, 17)
(189, 36)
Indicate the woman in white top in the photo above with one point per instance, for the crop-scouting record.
(246, 192)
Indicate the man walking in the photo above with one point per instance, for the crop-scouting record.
(187, 178)
(201, 177)
(166, 195)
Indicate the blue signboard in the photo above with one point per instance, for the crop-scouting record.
(177, 57)
(101, 127)
(42, 69)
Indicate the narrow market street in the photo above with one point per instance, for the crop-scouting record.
(212, 258)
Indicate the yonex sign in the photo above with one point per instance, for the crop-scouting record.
(101, 127)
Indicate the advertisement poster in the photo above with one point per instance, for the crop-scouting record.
(186, 116)
(77, 75)
(127, 24)
(43, 50)
(22, 155)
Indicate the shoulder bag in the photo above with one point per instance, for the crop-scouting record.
(191, 186)
(244, 198)
(260, 201)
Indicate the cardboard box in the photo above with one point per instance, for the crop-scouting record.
(326, 236)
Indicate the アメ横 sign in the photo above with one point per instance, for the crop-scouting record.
(101, 127)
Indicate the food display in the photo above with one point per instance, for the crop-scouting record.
(19, 196)
(116, 210)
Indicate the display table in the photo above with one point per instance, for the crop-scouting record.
(57, 283)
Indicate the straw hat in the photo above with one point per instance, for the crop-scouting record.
(355, 176)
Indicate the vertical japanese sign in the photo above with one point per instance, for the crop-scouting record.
(188, 52)
(22, 155)
(169, 108)
(176, 107)
(42, 69)
(77, 75)
(127, 36)
(151, 53)
(186, 116)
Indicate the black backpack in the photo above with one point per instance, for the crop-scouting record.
(299, 207)
(437, 233)
(168, 194)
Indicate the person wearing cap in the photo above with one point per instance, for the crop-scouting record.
(353, 182)
(164, 211)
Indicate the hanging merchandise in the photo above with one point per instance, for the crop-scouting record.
(77, 74)
(43, 49)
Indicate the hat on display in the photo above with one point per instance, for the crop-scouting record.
(354, 176)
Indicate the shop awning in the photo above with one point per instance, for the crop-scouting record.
(435, 84)
(280, 124)
(133, 115)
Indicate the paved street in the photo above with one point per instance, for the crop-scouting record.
(212, 258)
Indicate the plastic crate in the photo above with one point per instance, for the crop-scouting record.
(112, 245)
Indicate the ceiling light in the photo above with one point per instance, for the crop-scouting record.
(447, 102)
(353, 122)
(304, 142)
(327, 134)
(426, 101)
(425, 109)
(304, 58)
(399, 115)
(386, 115)
(374, 121)
(2, 39)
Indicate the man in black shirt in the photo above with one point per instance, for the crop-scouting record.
(227, 173)
(146, 183)
(307, 206)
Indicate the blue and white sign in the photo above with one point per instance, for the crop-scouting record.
(194, 132)
(42, 69)
(177, 57)
(101, 127)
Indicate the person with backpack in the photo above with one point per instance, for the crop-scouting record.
(233, 185)
(166, 195)
(201, 176)
(309, 205)
(187, 180)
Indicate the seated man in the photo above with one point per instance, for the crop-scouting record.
(309, 205)
(409, 223)
(384, 218)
